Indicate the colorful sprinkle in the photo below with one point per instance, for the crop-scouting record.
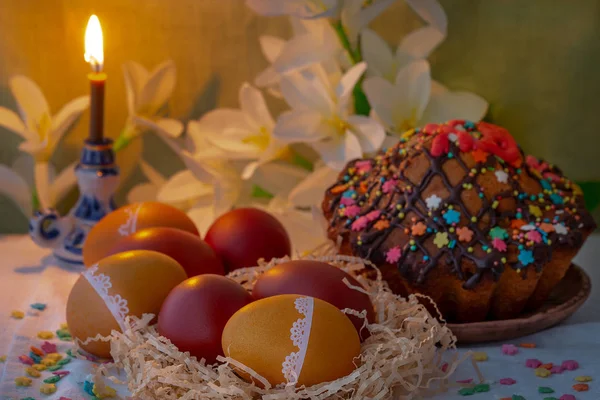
(34, 373)
(464, 234)
(498, 233)
(107, 392)
(533, 363)
(389, 185)
(48, 362)
(48, 388)
(465, 381)
(26, 360)
(88, 387)
(466, 391)
(542, 372)
(534, 236)
(567, 397)
(433, 202)
(2, 359)
(38, 306)
(48, 347)
(452, 217)
(418, 229)
(441, 239)
(64, 361)
(45, 335)
(39, 367)
(526, 257)
(517, 397)
(23, 381)
(360, 224)
(393, 254)
(557, 369)
(581, 387)
(509, 349)
(16, 314)
(499, 244)
(61, 373)
(53, 379)
(545, 389)
(482, 388)
(570, 365)
(480, 356)
(479, 155)
(507, 381)
(501, 176)
(547, 366)
(583, 378)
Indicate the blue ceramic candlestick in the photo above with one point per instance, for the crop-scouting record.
(98, 178)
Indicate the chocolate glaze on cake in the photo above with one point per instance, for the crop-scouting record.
(457, 194)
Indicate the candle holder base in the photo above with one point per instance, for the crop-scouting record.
(98, 178)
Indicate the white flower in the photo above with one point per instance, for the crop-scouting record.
(244, 134)
(147, 97)
(321, 117)
(18, 183)
(414, 100)
(297, 8)
(40, 130)
(501, 176)
(433, 202)
(311, 190)
(357, 15)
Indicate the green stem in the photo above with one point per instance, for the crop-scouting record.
(124, 139)
(361, 103)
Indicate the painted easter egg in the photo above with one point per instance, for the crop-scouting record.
(128, 220)
(192, 253)
(292, 339)
(129, 283)
(244, 235)
(195, 312)
(316, 279)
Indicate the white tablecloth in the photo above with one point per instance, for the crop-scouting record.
(28, 275)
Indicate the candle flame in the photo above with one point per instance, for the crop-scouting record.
(94, 51)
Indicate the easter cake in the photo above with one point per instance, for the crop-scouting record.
(457, 212)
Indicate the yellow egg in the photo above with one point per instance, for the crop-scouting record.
(129, 283)
(128, 220)
(292, 339)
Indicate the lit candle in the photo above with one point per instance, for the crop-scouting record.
(94, 54)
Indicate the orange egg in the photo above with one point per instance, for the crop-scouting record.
(292, 339)
(128, 220)
(130, 283)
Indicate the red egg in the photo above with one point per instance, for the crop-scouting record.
(195, 312)
(192, 253)
(316, 279)
(244, 235)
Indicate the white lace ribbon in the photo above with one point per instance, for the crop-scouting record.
(130, 226)
(299, 335)
(116, 304)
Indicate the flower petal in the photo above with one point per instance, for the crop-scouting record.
(310, 191)
(378, 55)
(271, 46)
(307, 92)
(157, 89)
(347, 83)
(369, 132)
(183, 187)
(380, 93)
(304, 50)
(412, 90)
(446, 105)
(142, 192)
(278, 178)
(63, 183)
(255, 109)
(355, 17)
(197, 142)
(24, 165)
(432, 12)
(67, 116)
(221, 119)
(155, 177)
(42, 177)
(389, 141)
(203, 216)
(297, 8)
(136, 77)
(11, 121)
(30, 99)
(15, 187)
(235, 148)
(300, 126)
(336, 152)
(170, 126)
(420, 43)
(33, 147)
(268, 77)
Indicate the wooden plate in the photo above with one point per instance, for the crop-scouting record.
(565, 299)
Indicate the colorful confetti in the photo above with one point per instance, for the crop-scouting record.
(557, 369)
(48, 388)
(23, 381)
(581, 387)
(107, 392)
(547, 366)
(465, 381)
(482, 388)
(45, 335)
(49, 347)
(38, 306)
(2, 359)
(39, 367)
(509, 349)
(507, 381)
(570, 365)
(542, 372)
(567, 397)
(480, 356)
(517, 397)
(545, 389)
(583, 378)
(54, 356)
(53, 379)
(16, 314)
(61, 373)
(26, 360)
(466, 391)
(533, 363)
(32, 372)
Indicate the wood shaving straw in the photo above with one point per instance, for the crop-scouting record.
(402, 358)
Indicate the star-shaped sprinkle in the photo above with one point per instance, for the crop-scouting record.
(16, 314)
(479, 155)
(528, 227)
(373, 215)
(533, 363)
(360, 224)
(388, 186)
(560, 229)
(351, 211)
(393, 254)
(452, 217)
(546, 227)
(347, 201)
(501, 176)
(433, 202)
(509, 349)
(534, 236)
(38, 306)
(498, 233)
(418, 229)
(499, 244)
(517, 223)
(441, 239)
(507, 381)
(526, 257)
(382, 224)
(464, 234)
(535, 210)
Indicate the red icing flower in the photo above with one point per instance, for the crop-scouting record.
(440, 145)
(465, 141)
(430, 128)
(498, 141)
